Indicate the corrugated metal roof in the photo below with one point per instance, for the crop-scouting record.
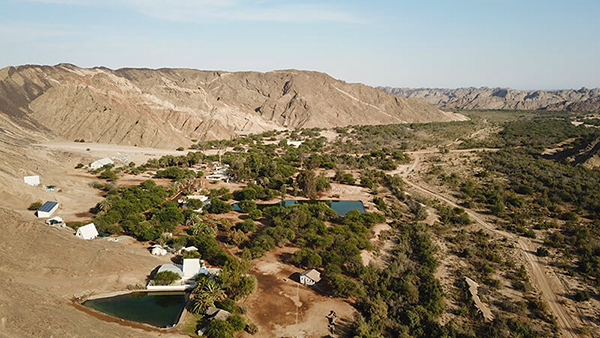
(48, 206)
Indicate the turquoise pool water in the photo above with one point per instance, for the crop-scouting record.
(341, 207)
(160, 309)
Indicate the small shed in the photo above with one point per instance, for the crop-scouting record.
(87, 232)
(33, 181)
(310, 277)
(47, 209)
(101, 163)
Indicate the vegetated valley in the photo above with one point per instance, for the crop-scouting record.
(508, 200)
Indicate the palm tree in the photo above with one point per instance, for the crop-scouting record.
(206, 293)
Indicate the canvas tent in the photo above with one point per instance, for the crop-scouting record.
(158, 250)
(33, 181)
(47, 209)
(87, 232)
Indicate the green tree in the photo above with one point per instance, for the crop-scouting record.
(218, 206)
(166, 278)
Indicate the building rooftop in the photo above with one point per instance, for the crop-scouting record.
(48, 206)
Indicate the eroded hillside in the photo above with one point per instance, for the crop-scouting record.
(581, 100)
(170, 107)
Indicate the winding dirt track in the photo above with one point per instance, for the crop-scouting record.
(550, 287)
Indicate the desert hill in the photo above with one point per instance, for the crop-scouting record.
(583, 100)
(169, 107)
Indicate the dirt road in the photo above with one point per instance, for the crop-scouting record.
(549, 286)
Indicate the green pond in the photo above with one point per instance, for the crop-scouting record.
(160, 309)
(341, 207)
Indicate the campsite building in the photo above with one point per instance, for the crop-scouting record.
(310, 277)
(87, 232)
(47, 209)
(33, 181)
(101, 163)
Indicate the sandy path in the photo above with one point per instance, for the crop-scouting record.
(550, 290)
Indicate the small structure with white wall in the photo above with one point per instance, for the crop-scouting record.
(56, 221)
(294, 143)
(87, 232)
(47, 209)
(33, 181)
(310, 277)
(101, 163)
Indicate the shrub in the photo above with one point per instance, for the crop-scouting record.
(251, 328)
(581, 296)
(166, 278)
(34, 205)
(219, 329)
(255, 214)
(237, 322)
(542, 252)
(218, 206)
(246, 226)
(179, 149)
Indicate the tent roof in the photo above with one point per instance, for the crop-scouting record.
(88, 231)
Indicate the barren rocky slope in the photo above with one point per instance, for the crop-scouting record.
(169, 107)
(584, 100)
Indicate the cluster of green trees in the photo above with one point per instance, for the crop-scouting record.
(140, 211)
(405, 299)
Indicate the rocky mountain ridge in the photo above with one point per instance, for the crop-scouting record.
(170, 107)
(583, 100)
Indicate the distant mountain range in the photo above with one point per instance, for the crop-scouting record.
(584, 100)
(170, 107)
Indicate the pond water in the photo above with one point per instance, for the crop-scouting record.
(341, 207)
(160, 309)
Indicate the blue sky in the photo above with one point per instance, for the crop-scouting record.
(523, 44)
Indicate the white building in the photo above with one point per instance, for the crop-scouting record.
(310, 277)
(33, 181)
(87, 232)
(101, 163)
(47, 209)
(191, 267)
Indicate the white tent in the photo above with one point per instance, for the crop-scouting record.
(159, 251)
(87, 232)
(33, 181)
(101, 163)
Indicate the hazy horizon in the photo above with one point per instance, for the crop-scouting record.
(547, 45)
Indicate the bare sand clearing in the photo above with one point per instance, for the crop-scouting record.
(281, 307)
(138, 155)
